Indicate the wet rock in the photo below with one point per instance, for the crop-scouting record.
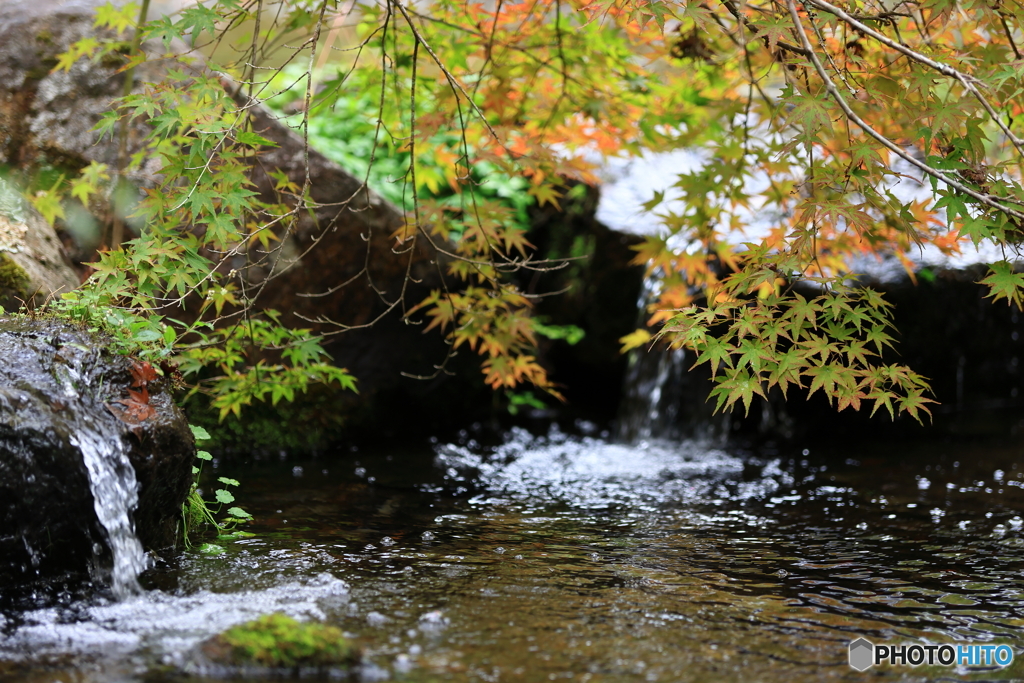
(599, 287)
(59, 392)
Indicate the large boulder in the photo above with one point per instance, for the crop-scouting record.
(85, 467)
(33, 265)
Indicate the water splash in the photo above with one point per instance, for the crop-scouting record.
(592, 474)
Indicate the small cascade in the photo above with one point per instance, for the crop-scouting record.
(650, 406)
(114, 487)
(649, 410)
(115, 493)
(661, 398)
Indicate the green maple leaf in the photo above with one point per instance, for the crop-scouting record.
(774, 28)
(1003, 283)
(739, 385)
(545, 194)
(914, 402)
(878, 337)
(118, 18)
(751, 354)
(818, 346)
(787, 370)
(803, 310)
(198, 19)
(714, 352)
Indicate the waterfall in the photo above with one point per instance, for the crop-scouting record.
(649, 406)
(661, 399)
(112, 481)
(115, 493)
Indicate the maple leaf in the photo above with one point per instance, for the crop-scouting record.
(1003, 283)
(142, 374)
(715, 351)
(634, 339)
(914, 402)
(545, 194)
(773, 29)
(136, 408)
(740, 385)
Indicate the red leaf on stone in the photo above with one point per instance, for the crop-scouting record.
(143, 373)
(136, 408)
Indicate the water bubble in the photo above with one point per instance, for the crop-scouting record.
(499, 550)
(297, 471)
(427, 536)
(433, 620)
(403, 664)
(387, 540)
(376, 619)
(923, 483)
(998, 475)
(360, 471)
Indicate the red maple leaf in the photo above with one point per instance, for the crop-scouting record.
(143, 373)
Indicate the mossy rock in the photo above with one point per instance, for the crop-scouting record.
(276, 642)
(14, 281)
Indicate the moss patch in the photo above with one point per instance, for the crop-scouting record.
(277, 641)
(14, 281)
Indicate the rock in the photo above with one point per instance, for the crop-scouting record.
(599, 290)
(59, 389)
(278, 644)
(33, 265)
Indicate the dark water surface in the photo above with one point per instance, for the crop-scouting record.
(573, 559)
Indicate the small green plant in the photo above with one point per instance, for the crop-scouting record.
(280, 642)
(196, 512)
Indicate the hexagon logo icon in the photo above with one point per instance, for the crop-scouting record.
(862, 654)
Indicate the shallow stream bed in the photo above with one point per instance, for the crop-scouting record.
(575, 559)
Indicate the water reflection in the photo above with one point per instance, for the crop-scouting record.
(566, 558)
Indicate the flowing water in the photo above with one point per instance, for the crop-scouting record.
(570, 558)
(112, 481)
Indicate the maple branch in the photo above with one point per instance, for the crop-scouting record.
(734, 11)
(830, 86)
(969, 82)
(448, 75)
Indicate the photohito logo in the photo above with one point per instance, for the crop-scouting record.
(864, 654)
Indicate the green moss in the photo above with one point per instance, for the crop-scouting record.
(14, 281)
(278, 641)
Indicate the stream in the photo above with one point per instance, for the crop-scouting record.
(573, 558)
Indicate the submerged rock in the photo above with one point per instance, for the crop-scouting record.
(83, 491)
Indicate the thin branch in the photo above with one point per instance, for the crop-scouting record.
(886, 142)
(969, 82)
